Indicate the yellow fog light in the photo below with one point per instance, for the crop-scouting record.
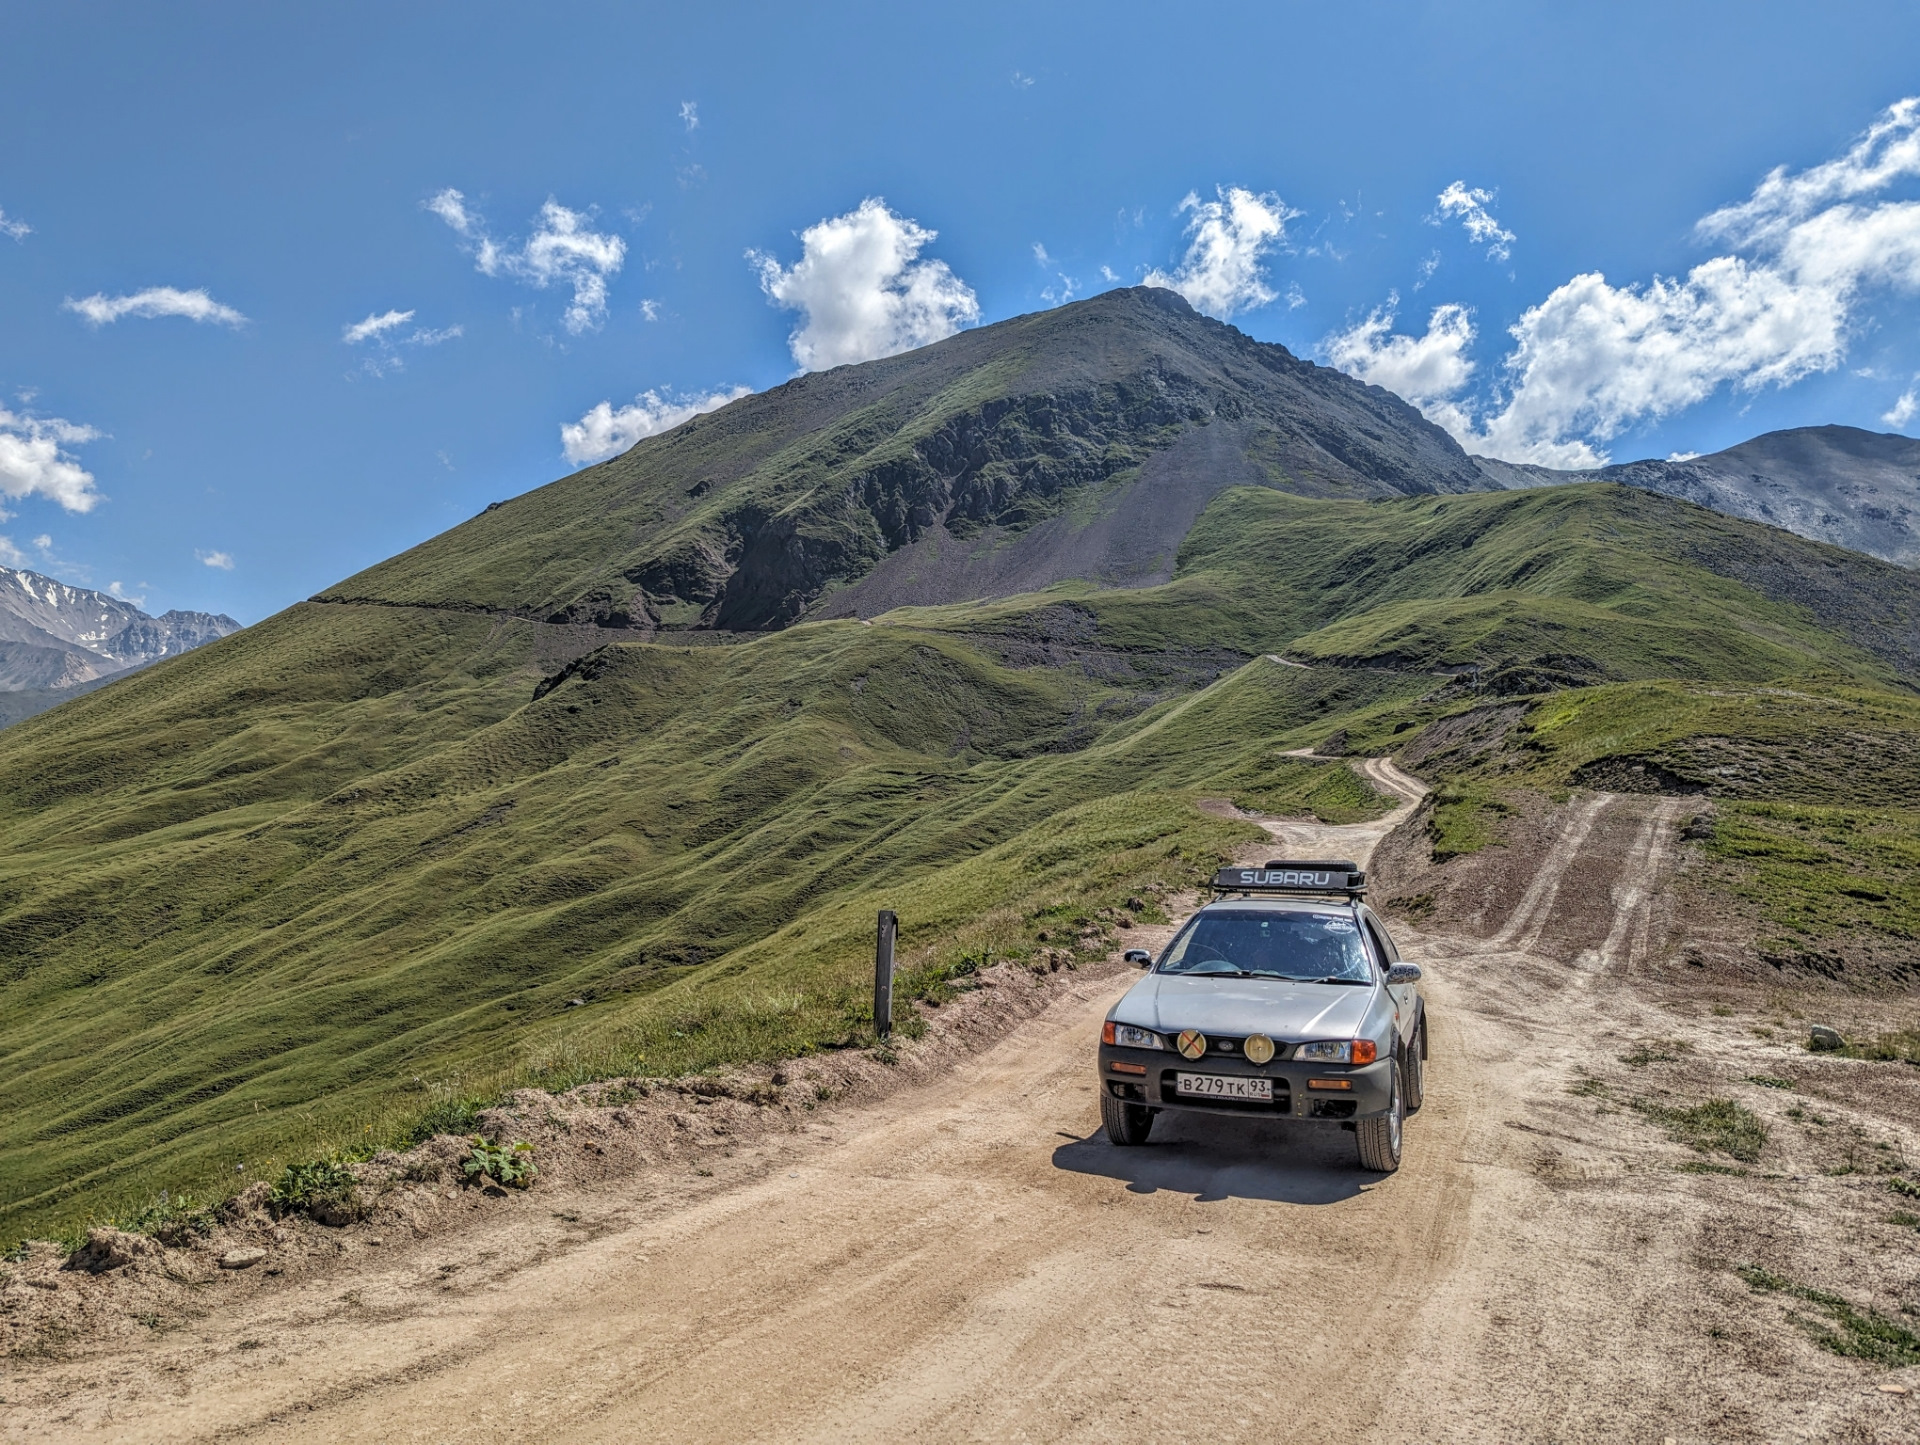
(1259, 1048)
(1192, 1043)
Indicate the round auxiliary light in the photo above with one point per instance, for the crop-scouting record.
(1258, 1048)
(1192, 1043)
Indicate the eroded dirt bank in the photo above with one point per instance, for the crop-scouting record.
(967, 1259)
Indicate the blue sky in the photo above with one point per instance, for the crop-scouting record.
(198, 202)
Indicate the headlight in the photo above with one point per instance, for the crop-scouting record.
(1338, 1051)
(1129, 1037)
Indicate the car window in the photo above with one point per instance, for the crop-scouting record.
(1382, 943)
(1268, 943)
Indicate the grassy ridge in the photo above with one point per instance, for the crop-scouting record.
(692, 841)
(291, 890)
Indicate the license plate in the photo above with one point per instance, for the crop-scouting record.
(1222, 1086)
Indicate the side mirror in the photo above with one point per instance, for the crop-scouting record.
(1404, 973)
(1138, 956)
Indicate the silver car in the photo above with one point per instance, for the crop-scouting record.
(1282, 998)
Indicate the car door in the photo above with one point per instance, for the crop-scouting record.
(1404, 1004)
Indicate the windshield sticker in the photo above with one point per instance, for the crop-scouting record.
(1337, 925)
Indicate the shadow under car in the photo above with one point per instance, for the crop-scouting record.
(1215, 1157)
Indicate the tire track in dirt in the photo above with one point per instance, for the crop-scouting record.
(1531, 916)
(1626, 944)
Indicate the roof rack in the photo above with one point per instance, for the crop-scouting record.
(1280, 875)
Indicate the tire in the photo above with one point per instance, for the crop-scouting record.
(1127, 1124)
(1416, 1069)
(1380, 1138)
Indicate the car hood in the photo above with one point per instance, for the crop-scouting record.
(1283, 1010)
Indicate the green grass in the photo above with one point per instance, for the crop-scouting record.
(1330, 792)
(1717, 1124)
(1861, 1334)
(1820, 873)
(1464, 819)
(203, 974)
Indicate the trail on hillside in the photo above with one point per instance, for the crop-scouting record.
(972, 1261)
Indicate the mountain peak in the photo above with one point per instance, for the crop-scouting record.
(1854, 488)
(1080, 442)
(54, 635)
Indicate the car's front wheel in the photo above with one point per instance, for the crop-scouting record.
(1380, 1137)
(1126, 1123)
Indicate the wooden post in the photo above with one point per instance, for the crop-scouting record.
(883, 973)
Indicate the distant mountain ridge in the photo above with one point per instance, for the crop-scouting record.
(1856, 489)
(54, 636)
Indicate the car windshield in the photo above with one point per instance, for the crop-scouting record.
(1264, 943)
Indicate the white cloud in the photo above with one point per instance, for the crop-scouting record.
(1064, 287)
(374, 326)
(1428, 370)
(1471, 207)
(1901, 412)
(1296, 298)
(119, 590)
(195, 305)
(605, 432)
(690, 114)
(14, 227)
(563, 249)
(450, 206)
(861, 291)
(383, 332)
(34, 461)
(221, 560)
(43, 542)
(1593, 359)
(1107, 273)
(1889, 151)
(1227, 239)
(649, 310)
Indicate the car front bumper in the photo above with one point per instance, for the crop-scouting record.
(1356, 1092)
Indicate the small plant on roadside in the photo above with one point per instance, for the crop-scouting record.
(1862, 1334)
(508, 1164)
(1717, 1124)
(323, 1188)
(1901, 1046)
(448, 1116)
(173, 1219)
(1769, 1081)
(1904, 1187)
(1655, 1051)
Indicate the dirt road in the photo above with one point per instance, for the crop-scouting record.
(972, 1261)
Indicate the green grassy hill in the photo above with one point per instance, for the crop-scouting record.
(309, 885)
